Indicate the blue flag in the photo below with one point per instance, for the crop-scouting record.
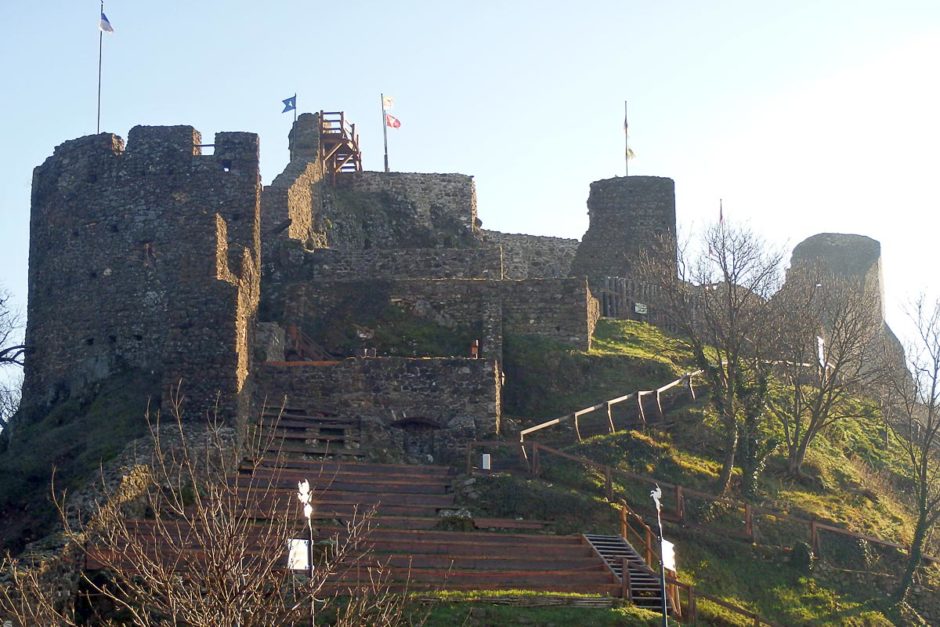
(290, 103)
(104, 25)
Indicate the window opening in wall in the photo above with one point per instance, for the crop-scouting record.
(89, 341)
(93, 274)
(226, 165)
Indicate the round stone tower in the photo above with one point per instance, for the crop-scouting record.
(630, 216)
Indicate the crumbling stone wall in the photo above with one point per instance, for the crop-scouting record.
(293, 263)
(292, 205)
(401, 210)
(533, 256)
(559, 309)
(629, 216)
(146, 258)
(441, 390)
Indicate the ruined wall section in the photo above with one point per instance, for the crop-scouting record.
(145, 258)
(442, 390)
(291, 206)
(366, 210)
(629, 217)
(533, 256)
(558, 309)
(294, 263)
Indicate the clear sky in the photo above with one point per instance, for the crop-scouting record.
(804, 116)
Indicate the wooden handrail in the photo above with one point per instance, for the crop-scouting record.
(606, 405)
(814, 526)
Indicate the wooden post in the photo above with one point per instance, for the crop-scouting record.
(693, 610)
(680, 504)
(688, 381)
(623, 522)
(649, 547)
(625, 591)
(749, 521)
(610, 418)
(608, 483)
(639, 408)
(577, 427)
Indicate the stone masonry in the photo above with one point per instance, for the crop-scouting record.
(145, 258)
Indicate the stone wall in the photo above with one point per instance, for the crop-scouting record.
(147, 258)
(629, 217)
(294, 264)
(533, 256)
(559, 309)
(440, 390)
(401, 210)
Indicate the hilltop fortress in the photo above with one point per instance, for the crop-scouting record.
(370, 294)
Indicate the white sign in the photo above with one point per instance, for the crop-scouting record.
(669, 555)
(487, 462)
(640, 308)
(298, 554)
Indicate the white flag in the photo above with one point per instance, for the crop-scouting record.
(104, 25)
(387, 102)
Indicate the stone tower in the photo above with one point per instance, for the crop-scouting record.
(145, 258)
(629, 217)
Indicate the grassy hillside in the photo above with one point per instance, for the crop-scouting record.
(855, 483)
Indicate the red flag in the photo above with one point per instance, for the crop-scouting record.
(391, 121)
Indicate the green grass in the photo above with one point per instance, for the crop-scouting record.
(856, 480)
(545, 379)
(482, 613)
(75, 438)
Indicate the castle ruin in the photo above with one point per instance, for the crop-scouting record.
(371, 294)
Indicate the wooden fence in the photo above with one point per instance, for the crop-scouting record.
(608, 405)
(742, 519)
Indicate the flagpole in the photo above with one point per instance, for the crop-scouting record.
(626, 140)
(384, 130)
(100, 46)
(295, 106)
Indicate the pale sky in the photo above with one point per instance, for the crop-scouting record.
(804, 116)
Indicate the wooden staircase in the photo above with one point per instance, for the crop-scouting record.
(339, 144)
(644, 586)
(295, 433)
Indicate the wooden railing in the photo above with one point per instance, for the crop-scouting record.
(609, 404)
(679, 495)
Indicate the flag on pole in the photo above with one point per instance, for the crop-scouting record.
(391, 121)
(387, 102)
(290, 103)
(104, 25)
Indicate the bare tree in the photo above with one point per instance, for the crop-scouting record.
(829, 347)
(917, 427)
(12, 351)
(190, 538)
(719, 304)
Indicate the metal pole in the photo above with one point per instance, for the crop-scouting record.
(384, 130)
(626, 140)
(662, 570)
(100, 46)
(657, 494)
(313, 598)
